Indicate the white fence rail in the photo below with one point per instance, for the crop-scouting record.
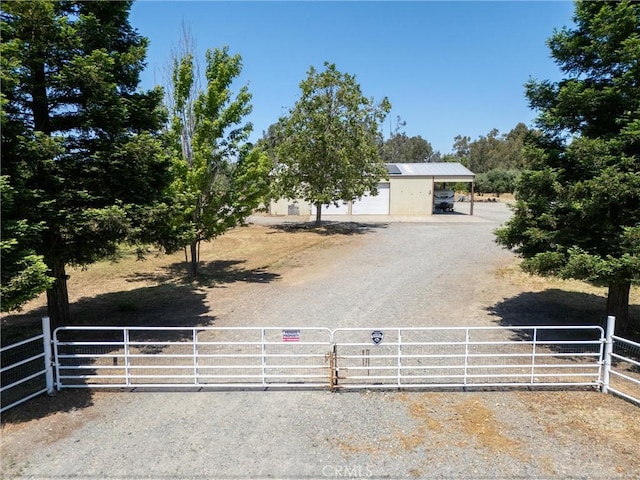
(343, 358)
(26, 370)
(624, 374)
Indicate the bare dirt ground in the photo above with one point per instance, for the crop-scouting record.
(345, 274)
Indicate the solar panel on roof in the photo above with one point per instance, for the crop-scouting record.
(393, 169)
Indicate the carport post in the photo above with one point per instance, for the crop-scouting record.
(472, 188)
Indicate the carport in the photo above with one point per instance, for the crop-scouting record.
(412, 185)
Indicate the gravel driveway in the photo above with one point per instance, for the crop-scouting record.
(433, 273)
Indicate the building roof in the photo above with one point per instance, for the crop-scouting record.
(440, 169)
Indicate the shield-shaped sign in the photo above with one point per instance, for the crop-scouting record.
(376, 337)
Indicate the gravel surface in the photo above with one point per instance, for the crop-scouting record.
(434, 273)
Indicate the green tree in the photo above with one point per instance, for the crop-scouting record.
(493, 151)
(486, 153)
(219, 180)
(400, 148)
(460, 150)
(497, 181)
(578, 209)
(78, 139)
(328, 145)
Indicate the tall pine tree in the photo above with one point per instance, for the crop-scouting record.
(578, 209)
(79, 145)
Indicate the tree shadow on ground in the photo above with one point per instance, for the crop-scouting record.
(160, 305)
(43, 406)
(553, 307)
(164, 305)
(216, 273)
(331, 227)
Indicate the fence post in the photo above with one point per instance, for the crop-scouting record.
(608, 350)
(48, 363)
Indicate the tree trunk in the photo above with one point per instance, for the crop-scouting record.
(194, 259)
(40, 104)
(58, 296)
(318, 214)
(618, 306)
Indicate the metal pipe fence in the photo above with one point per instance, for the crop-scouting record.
(624, 374)
(343, 358)
(26, 369)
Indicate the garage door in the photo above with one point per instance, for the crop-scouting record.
(370, 205)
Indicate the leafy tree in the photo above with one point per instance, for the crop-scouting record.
(78, 140)
(400, 148)
(497, 181)
(460, 151)
(513, 147)
(219, 179)
(493, 151)
(327, 146)
(485, 153)
(578, 209)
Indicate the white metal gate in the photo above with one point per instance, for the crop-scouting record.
(468, 357)
(192, 357)
(320, 357)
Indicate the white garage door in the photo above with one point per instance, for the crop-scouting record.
(370, 205)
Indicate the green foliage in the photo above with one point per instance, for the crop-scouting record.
(497, 181)
(494, 151)
(399, 148)
(327, 146)
(578, 209)
(24, 273)
(79, 140)
(218, 180)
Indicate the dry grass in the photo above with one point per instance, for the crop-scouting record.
(479, 422)
(514, 275)
(157, 289)
(575, 300)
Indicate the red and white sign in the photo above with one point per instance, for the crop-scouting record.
(290, 335)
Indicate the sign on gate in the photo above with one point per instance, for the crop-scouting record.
(291, 335)
(377, 336)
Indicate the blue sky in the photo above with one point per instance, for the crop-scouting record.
(448, 68)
